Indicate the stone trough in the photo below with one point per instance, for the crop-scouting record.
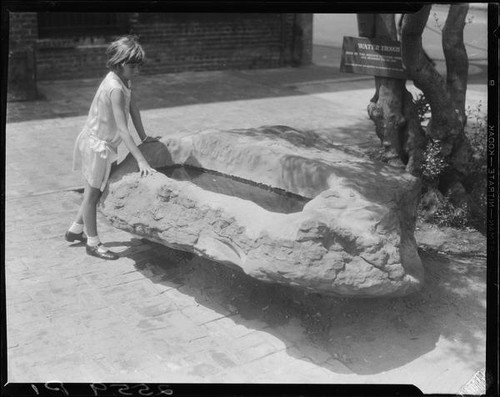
(354, 237)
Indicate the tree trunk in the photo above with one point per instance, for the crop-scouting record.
(444, 122)
(392, 109)
(444, 97)
(414, 140)
(457, 62)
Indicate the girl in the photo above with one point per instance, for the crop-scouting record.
(105, 128)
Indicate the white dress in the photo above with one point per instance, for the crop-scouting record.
(96, 147)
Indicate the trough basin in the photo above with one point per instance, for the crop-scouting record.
(343, 226)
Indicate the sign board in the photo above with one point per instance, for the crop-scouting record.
(376, 57)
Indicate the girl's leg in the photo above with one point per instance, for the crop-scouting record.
(88, 209)
(75, 231)
(79, 215)
(91, 192)
(89, 213)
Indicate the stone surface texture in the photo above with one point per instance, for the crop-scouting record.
(355, 238)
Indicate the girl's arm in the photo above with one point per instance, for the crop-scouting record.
(135, 115)
(118, 104)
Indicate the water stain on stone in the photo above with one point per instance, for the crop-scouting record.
(271, 199)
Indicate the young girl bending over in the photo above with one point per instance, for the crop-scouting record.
(106, 127)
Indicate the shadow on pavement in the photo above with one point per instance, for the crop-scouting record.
(70, 98)
(368, 336)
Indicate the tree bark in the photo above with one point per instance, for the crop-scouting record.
(392, 109)
(457, 62)
(446, 98)
(445, 124)
(414, 140)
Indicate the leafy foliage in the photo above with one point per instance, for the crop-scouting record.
(423, 108)
(449, 215)
(434, 163)
(445, 213)
(476, 132)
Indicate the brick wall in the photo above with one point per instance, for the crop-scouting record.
(183, 42)
(71, 61)
(23, 29)
(23, 32)
(224, 41)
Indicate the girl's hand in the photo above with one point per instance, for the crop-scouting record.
(145, 169)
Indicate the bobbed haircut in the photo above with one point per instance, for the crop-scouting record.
(126, 49)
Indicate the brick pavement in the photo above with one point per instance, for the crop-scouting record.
(157, 315)
(76, 318)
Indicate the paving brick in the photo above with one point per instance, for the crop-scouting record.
(21, 371)
(223, 359)
(159, 286)
(15, 295)
(67, 369)
(75, 281)
(181, 323)
(69, 326)
(25, 312)
(87, 299)
(156, 310)
(202, 370)
(267, 366)
(98, 276)
(257, 352)
(201, 315)
(57, 304)
(204, 342)
(101, 319)
(251, 339)
(313, 353)
(166, 346)
(182, 301)
(106, 341)
(200, 365)
(29, 332)
(227, 327)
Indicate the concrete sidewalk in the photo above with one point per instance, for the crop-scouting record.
(158, 315)
(178, 103)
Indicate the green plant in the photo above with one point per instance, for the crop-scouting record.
(434, 163)
(476, 132)
(438, 209)
(449, 215)
(423, 108)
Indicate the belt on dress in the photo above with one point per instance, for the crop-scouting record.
(105, 150)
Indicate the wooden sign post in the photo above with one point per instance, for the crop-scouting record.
(376, 57)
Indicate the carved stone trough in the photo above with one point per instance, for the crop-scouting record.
(354, 238)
